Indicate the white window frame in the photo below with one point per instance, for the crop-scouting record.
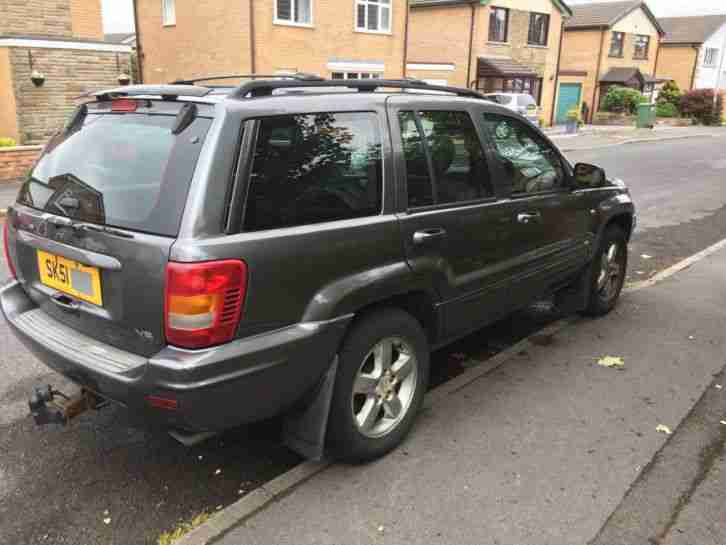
(380, 6)
(276, 20)
(168, 12)
(715, 51)
(346, 75)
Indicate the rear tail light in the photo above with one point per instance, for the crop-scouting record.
(124, 105)
(6, 248)
(203, 302)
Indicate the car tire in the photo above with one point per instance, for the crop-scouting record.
(607, 272)
(383, 369)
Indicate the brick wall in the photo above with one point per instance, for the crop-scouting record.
(69, 73)
(677, 62)
(15, 162)
(86, 19)
(36, 18)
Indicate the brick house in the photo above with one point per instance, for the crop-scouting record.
(692, 51)
(331, 38)
(494, 45)
(62, 41)
(605, 44)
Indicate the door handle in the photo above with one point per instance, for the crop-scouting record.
(420, 237)
(528, 217)
(64, 301)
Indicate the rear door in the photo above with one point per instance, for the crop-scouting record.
(98, 214)
(454, 224)
(551, 225)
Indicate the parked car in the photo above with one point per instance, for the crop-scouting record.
(212, 257)
(521, 103)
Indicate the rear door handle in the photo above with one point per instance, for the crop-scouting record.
(528, 217)
(421, 237)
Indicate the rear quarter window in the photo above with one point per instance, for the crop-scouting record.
(314, 168)
(124, 170)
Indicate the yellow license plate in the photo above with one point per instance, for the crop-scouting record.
(70, 277)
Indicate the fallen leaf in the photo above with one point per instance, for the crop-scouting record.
(662, 428)
(107, 520)
(381, 529)
(219, 508)
(691, 337)
(611, 362)
(646, 256)
(218, 472)
(718, 386)
(723, 422)
(106, 512)
(639, 272)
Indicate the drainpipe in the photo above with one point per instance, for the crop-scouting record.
(405, 40)
(596, 86)
(471, 43)
(695, 66)
(139, 49)
(557, 73)
(252, 38)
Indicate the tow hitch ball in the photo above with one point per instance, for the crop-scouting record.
(49, 406)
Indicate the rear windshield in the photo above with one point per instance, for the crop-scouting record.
(123, 170)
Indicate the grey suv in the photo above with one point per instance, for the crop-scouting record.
(211, 256)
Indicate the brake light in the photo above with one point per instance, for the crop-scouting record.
(124, 105)
(6, 249)
(203, 302)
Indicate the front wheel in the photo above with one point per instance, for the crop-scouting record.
(382, 378)
(607, 273)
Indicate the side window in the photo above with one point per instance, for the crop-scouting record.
(314, 168)
(531, 165)
(450, 141)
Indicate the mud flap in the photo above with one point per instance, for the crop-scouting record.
(304, 431)
(575, 297)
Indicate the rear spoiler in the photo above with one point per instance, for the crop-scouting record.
(166, 92)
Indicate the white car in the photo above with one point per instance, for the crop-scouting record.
(521, 103)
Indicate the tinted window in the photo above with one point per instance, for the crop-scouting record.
(498, 24)
(314, 168)
(452, 145)
(530, 163)
(124, 170)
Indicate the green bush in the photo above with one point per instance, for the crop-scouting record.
(698, 104)
(670, 94)
(7, 142)
(622, 100)
(666, 109)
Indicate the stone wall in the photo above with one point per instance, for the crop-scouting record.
(15, 162)
(69, 73)
(36, 18)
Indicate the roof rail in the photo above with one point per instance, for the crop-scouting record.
(297, 76)
(167, 92)
(266, 87)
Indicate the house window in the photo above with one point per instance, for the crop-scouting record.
(539, 27)
(498, 24)
(373, 15)
(168, 12)
(294, 12)
(710, 57)
(354, 75)
(616, 45)
(642, 43)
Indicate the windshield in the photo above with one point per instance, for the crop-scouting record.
(116, 170)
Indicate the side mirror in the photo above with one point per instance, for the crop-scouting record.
(588, 176)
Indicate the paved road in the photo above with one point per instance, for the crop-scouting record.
(71, 477)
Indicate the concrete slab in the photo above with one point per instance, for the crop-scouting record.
(541, 450)
(8, 193)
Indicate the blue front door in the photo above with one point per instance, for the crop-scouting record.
(569, 99)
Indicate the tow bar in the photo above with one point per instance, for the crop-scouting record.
(49, 406)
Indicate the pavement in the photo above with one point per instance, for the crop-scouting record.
(541, 449)
(8, 194)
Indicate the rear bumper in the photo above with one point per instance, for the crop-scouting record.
(243, 381)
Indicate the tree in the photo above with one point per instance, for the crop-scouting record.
(699, 105)
(670, 94)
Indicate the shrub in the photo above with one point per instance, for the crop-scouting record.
(699, 105)
(7, 142)
(622, 100)
(666, 109)
(670, 94)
